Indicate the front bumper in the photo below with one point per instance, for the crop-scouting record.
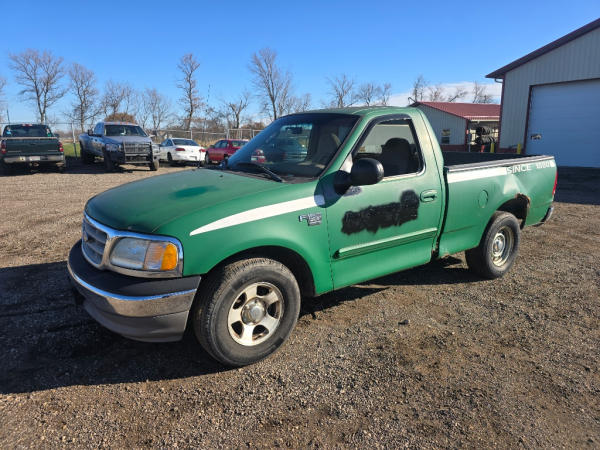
(34, 159)
(144, 309)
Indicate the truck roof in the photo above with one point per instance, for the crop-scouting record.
(364, 110)
(120, 123)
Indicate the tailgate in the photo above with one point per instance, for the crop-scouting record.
(31, 146)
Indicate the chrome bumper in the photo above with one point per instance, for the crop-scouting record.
(156, 317)
(34, 158)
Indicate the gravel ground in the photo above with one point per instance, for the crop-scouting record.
(430, 357)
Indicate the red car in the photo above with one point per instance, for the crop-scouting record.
(223, 149)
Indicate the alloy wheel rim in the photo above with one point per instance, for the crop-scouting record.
(255, 314)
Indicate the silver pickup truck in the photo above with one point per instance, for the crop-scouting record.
(118, 143)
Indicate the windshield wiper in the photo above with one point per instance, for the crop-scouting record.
(262, 168)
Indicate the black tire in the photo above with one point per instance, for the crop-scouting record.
(86, 158)
(498, 248)
(170, 159)
(153, 165)
(206, 159)
(5, 169)
(109, 166)
(220, 335)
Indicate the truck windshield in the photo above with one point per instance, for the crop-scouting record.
(27, 131)
(123, 130)
(300, 145)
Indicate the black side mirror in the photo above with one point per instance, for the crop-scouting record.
(366, 171)
(56, 135)
(90, 132)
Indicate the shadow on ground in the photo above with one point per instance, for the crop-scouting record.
(578, 185)
(46, 341)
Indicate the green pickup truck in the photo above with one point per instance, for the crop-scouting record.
(231, 250)
(26, 144)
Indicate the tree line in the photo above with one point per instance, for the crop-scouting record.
(45, 78)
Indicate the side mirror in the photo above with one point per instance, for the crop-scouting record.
(90, 132)
(56, 135)
(366, 171)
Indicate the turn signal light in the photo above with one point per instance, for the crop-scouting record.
(555, 181)
(60, 147)
(3, 147)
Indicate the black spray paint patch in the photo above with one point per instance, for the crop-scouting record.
(373, 218)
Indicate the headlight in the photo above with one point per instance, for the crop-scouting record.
(144, 254)
(113, 147)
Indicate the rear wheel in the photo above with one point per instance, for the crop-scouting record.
(246, 310)
(5, 169)
(109, 166)
(498, 248)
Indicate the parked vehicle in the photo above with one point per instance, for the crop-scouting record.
(223, 150)
(231, 250)
(176, 150)
(29, 144)
(118, 143)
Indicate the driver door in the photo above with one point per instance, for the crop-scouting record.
(392, 225)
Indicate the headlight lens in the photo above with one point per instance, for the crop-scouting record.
(144, 254)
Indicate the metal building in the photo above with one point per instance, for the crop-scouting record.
(551, 99)
(454, 124)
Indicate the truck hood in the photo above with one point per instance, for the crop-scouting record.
(122, 139)
(146, 205)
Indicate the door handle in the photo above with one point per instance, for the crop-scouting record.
(428, 196)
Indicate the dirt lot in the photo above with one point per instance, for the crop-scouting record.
(431, 357)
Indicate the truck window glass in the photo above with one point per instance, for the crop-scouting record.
(123, 130)
(393, 144)
(299, 145)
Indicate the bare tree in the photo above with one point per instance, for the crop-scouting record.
(418, 90)
(39, 74)
(234, 109)
(2, 85)
(84, 108)
(273, 84)
(156, 107)
(190, 98)
(368, 93)
(295, 104)
(480, 94)
(385, 94)
(117, 98)
(341, 91)
(438, 93)
(456, 95)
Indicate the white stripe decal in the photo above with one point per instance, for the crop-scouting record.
(454, 177)
(262, 212)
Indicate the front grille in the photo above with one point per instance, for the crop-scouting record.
(93, 241)
(136, 148)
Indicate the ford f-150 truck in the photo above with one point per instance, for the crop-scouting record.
(231, 250)
(29, 144)
(118, 143)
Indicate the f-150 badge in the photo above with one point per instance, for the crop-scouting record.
(311, 219)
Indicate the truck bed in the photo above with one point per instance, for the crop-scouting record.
(478, 184)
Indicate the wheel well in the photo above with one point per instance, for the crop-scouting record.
(285, 256)
(518, 207)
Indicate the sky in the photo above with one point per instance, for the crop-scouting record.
(140, 42)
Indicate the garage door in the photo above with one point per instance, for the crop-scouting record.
(564, 121)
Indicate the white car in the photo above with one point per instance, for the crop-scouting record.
(176, 150)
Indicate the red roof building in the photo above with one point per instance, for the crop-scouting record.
(454, 124)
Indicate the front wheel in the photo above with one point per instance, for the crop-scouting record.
(153, 165)
(109, 165)
(498, 248)
(206, 159)
(246, 310)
